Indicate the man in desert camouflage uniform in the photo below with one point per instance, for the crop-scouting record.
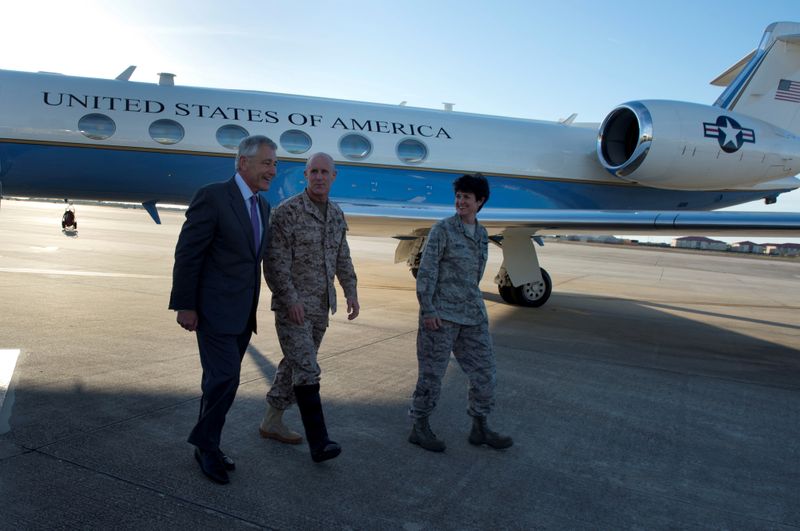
(453, 318)
(308, 246)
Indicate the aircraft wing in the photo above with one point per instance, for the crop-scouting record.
(393, 219)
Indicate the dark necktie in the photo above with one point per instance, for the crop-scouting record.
(254, 220)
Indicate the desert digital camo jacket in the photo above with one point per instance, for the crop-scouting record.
(450, 271)
(305, 252)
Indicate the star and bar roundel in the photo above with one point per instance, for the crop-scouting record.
(730, 135)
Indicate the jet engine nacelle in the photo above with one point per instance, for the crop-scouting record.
(686, 146)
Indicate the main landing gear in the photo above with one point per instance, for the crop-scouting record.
(530, 294)
(520, 280)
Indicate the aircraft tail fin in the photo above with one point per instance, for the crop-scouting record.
(766, 83)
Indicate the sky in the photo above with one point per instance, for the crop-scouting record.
(527, 59)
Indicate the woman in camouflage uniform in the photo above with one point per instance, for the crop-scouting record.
(453, 317)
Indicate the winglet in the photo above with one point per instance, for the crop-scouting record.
(126, 74)
(150, 206)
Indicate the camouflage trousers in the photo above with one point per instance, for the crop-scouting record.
(472, 348)
(299, 366)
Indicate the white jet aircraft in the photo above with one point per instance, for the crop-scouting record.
(650, 166)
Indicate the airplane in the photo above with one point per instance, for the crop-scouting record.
(650, 166)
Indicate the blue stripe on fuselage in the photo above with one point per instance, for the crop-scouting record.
(125, 175)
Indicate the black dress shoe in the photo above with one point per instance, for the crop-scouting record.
(328, 451)
(212, 466)
(227, 461)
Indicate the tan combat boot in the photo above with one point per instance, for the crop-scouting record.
(272, 427)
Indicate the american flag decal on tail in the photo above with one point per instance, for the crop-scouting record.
(788, 90)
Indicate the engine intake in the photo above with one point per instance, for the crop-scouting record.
(624, 138)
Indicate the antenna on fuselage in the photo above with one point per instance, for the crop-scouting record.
(568, 120)
(448, 106)
(166, 79)
(126, 74)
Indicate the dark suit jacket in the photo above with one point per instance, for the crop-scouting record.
(217, 268)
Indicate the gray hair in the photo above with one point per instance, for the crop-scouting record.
(323, 155)
(250, 145)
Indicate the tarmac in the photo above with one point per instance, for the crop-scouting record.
(655, 390)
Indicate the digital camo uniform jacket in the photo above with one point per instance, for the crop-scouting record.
(305, 252)
(448, 281)
(450, 271)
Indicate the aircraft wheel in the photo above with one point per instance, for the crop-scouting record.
(534, 294)
(507, 294)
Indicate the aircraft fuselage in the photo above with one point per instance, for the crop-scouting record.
(127, 141)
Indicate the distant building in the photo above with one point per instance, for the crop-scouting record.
(747, 247)
(782, 249)
(699, 242)
(790, 249)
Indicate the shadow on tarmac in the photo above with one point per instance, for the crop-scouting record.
(623, 416)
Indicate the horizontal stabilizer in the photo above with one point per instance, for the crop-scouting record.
(727, 77)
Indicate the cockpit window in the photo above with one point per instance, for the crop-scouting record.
(355, 147)
(166, 131)
(411, 151)
(97, 126)
(230, 136)
(295, 141)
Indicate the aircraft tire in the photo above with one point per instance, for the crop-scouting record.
(534, 295)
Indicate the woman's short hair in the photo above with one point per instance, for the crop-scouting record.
(474, 183)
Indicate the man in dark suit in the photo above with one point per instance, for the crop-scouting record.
(215, 287)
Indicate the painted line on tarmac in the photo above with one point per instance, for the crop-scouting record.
(8, 362)
(64, 272)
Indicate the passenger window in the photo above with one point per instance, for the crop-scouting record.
(166, 131)
(230, 136)
(411, 151)
(355, 147)
(97, 126)
(295, 141)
